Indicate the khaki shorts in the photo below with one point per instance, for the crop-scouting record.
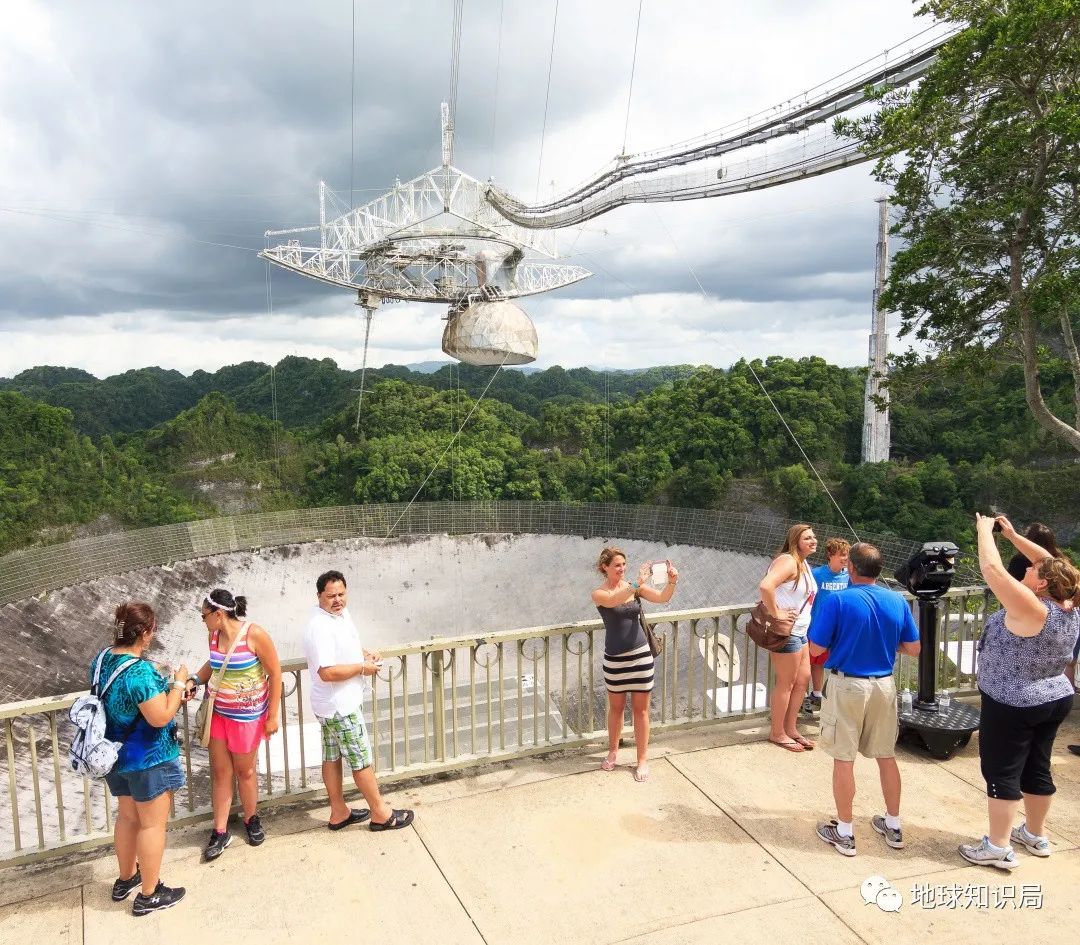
(858, 716)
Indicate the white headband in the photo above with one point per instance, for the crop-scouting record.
(213, 603)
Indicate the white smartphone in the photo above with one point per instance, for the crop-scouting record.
(659, 573)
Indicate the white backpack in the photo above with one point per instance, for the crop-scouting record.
(91, 754)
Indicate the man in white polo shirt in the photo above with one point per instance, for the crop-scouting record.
(337, 663)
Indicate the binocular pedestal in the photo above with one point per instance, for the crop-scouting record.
(941, 732)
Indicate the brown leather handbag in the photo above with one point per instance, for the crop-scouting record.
(761, 627)
(656, 643)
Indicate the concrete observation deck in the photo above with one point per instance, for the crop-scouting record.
(719, 845)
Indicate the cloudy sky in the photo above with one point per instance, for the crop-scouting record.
(145, 149)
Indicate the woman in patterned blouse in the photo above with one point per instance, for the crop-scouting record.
(1023, 652)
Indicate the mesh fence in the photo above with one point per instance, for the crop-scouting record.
(35, 570)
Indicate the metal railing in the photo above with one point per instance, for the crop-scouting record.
(439, 706)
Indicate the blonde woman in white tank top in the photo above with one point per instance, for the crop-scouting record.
(787, 591)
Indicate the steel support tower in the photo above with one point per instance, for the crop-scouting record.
(876, 434)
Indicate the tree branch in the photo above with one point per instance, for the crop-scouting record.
(1028, 344)
(1074, 357)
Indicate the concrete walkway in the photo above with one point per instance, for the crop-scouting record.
(719, 845)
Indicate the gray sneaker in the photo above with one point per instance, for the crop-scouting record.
(894, 838)
(845, 846)
(1037, 846)
(981, 854)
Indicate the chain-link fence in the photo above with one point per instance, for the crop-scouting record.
(34, 570)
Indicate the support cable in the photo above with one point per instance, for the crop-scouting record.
(495, 101)
(368, 313)
(449, 446)
(633, 68)
(274, 445)
(352, 111)
(764, 390)
(60, 216)
(547, 98)
(455, 69)
(455, 55)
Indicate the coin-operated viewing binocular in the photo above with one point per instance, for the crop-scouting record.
(928, 574)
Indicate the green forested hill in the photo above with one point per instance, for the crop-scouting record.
(165, 447)
(307, 391)
(52, 476)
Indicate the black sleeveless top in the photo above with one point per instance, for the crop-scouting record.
(622, 628)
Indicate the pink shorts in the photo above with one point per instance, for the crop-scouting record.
(239, 737)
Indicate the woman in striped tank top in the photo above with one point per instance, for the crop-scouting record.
(628, 663)
(246, 710)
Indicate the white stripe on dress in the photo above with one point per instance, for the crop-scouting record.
(629, 672)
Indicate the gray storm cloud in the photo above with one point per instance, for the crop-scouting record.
(146, 149)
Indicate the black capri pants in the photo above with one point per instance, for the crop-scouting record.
(1015, 745)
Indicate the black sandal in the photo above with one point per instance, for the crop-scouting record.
(396, 820)
(355, 817)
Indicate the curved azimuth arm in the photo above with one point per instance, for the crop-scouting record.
(628, 180)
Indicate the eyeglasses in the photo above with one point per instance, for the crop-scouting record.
(204, 613)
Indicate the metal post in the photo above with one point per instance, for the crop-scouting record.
(928, 624)
(438, 705)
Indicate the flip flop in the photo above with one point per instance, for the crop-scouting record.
(807, 744)
(396, 820)
(355, 817)
(788, 746)
(607, 765)
(641, 776)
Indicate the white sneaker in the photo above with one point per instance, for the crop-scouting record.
(983, 854)
(1037, 846)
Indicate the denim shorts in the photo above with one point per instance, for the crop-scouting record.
(793, 645)
(147, 784)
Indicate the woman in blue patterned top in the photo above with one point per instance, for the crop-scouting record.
(140, 712)
(1023, 652)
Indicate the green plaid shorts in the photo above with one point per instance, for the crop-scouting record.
(346, 735)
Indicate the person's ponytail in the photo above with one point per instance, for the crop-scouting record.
(221, 599)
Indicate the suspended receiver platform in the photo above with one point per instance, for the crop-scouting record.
(435, 238)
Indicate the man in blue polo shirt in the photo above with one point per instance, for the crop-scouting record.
(862, 628)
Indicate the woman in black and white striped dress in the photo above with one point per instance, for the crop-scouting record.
(628, 664)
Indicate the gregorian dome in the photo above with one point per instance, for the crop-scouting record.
(489, 331)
